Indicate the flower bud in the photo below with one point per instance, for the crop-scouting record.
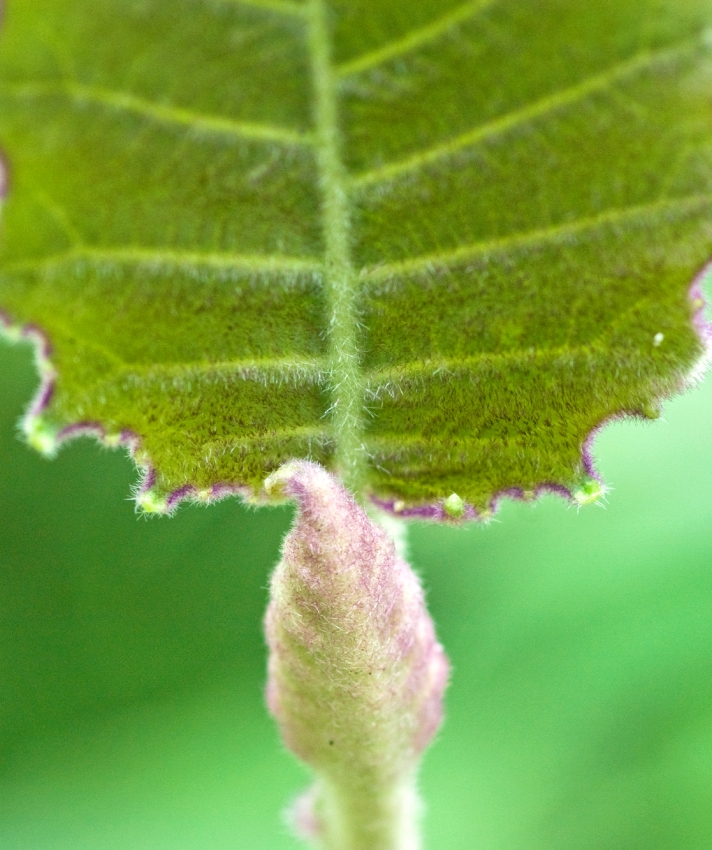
(356, 675)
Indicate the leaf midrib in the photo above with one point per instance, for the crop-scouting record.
(340, 280)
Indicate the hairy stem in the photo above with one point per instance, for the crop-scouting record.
(375, 816)
(356, 675)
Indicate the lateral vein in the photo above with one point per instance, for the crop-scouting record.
(499, 126)
(162, 113)
(59, 215)
(446, 260)
(193, 259)
(413, 40)
(281, 7)
(277, 366)
(380, 379)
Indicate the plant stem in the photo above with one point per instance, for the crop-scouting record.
(370, 817)
(356, 675)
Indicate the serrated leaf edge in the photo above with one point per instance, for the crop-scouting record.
(149, 500)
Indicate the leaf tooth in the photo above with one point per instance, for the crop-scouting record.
(588, 492)
(150, 502)
(41, 435)
(454, 506)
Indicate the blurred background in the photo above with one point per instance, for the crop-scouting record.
(132, 660)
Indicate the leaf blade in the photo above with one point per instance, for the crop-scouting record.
(309, 238)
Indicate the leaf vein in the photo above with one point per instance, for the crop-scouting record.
(413, 40)
(254, 263)
(448, 366)
(162, 113)
(282, 7)
(340, 277)
(443, 261)
(61, 218)
(314, 370)
(519, 117)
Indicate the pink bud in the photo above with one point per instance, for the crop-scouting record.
(356, 675)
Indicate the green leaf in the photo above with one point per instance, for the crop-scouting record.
(432, 245)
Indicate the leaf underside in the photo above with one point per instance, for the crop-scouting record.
(430, 244)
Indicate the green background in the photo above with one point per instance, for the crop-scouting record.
(131, 658)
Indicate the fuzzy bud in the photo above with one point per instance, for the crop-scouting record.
(356, 675)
